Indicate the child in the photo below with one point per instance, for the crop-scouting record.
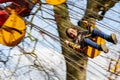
(79, 38)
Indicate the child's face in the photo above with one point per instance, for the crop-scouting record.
(85, 23)
(72, 32)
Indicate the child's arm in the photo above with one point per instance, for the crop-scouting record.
(73, 45)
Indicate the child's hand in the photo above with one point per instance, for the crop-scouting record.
(66, 42)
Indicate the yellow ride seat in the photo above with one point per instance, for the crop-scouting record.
(55, 2)
(92, 52)
(13, 30)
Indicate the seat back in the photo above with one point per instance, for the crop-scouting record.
(92, 52)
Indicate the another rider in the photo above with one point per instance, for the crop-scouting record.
(22, 7)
